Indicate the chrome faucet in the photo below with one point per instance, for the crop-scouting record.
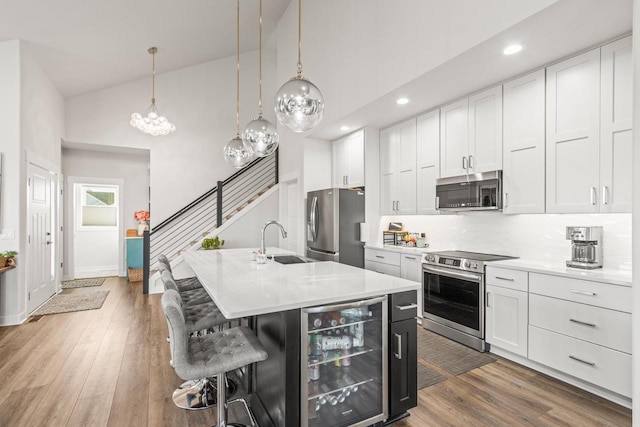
(284, 234)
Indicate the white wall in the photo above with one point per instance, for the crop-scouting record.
(12, 299)
(131, 169)
(636, 217)
(31, 126)
(201, 101)
(536, 237)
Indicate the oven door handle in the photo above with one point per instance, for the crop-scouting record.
(453, 274)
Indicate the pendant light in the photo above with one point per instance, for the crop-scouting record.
(235, 153)
(299, 104)
(260, 136)
(153, 124)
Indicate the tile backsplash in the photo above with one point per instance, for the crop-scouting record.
(537, 237)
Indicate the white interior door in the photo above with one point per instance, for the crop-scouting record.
(41, 275)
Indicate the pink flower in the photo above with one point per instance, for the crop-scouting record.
(141, 215)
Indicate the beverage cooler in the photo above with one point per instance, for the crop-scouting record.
(344, 364)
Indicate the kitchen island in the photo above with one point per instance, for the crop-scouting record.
(275, 298)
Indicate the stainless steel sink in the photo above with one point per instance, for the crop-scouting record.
(291, 259)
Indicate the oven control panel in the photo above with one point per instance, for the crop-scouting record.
(453, 262)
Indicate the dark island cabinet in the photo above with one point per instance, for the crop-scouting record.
(403, 354)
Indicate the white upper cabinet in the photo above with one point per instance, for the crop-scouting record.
(524, 144)
(573, 119)
(615, 127)
(348, 161)
(485, 131)
(589, 144)
(428, 161)
(471, 134)
(398, 169)
(454, 138)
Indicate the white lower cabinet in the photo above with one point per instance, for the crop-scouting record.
(411, 269)
(506, 319)
(506, 309)
(381, 261)
(609, 369)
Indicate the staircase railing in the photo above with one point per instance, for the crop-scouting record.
(209, 211)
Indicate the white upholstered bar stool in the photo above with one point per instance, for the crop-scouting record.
(210, 355)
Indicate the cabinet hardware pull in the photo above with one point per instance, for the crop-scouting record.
(410, 257)
(394, 206)
(398, 353)
(470, 162)
(593, 325)
(464, 162)
(505, 278)
(379, 256)
(487, 300)
(593, 195)
(397, 205)
(576, 291)
(605, 195)
(506, 199)
(577, 359)
(407, 307)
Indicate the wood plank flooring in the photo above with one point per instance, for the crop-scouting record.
(110, 367)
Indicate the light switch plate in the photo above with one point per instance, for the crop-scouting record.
(8, 234)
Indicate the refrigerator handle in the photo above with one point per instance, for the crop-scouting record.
(314, 218)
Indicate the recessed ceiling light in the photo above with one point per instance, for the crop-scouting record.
(511, 49)
(402, 101)
(343, 128)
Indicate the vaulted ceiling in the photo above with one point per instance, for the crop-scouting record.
(86, 45)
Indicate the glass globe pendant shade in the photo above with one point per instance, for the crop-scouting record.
(261, 137)
(236, 154)
(299, 104)
(153, 124)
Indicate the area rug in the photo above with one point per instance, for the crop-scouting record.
(428, 377)
(449, 355)
(83, 283)
(77, 301)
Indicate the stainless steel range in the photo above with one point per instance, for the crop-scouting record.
(453, 292)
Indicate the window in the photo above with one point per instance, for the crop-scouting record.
(99, 206)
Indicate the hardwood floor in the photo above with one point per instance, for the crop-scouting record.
(110, 367)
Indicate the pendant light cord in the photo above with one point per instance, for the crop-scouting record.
(153, 78)
(238, 71)
(260, 61)
(299, 71)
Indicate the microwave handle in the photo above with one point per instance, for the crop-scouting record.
(437, 202)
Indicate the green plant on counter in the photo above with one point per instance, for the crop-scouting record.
(212, 243)
(8, 253)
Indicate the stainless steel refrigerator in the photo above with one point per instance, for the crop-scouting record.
(333, 225)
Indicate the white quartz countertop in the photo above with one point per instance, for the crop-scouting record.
(241, 287)
(606, 275)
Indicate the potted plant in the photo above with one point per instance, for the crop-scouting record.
(7, 258)
(212, 243)
(143, 221)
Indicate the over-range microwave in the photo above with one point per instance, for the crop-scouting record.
(472, 192)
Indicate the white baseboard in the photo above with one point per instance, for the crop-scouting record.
(97, 271)
(14, 319)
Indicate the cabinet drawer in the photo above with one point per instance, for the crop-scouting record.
(403, 306)
(378, 267)
(385, 257)
(602, 366)
(596, 325)
(583, 291)
(505, 278)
